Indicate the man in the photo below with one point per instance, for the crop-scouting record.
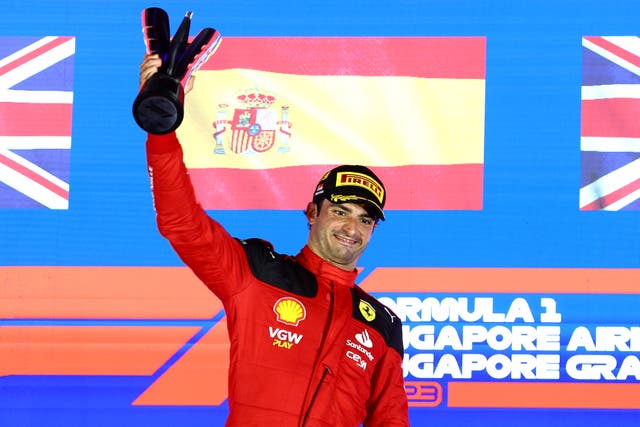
(308, 347)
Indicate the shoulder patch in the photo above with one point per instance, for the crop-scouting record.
(278, 270)
(372, 312)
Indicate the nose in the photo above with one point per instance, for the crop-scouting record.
(350, 225)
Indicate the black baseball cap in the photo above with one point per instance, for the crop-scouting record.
(352, 184)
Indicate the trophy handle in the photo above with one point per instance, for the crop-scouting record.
(155, 28)
(177, 47)
(197, 52)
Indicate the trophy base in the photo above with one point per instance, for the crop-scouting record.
(158, 108)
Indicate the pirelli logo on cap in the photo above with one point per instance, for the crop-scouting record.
(360, 180)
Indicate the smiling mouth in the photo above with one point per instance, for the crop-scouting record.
(347, 241)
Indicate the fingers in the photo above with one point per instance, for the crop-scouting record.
(190, 81)
(149, 66)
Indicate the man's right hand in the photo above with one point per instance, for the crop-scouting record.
(150, 65)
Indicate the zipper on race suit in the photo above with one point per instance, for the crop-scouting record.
(326, 371)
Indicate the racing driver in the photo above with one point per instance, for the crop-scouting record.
(308, 348)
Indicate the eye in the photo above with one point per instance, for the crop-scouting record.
(366, 221)
(339, 212)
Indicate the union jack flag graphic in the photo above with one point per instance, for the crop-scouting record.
(36, 99)
(610, 136)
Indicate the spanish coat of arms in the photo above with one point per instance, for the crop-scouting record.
(254, 127)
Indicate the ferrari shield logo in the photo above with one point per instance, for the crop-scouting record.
(367, 311)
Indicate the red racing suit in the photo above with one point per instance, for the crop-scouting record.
(308, 347)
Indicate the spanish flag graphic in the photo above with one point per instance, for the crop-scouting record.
(268, 116)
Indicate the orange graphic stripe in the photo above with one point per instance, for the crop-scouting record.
(544, 395)
(198, 378)
(104, 293)
(504, 280)
(88, 350)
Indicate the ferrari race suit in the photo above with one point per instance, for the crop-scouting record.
(307, 346)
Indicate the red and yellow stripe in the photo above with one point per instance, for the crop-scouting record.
(411, 107)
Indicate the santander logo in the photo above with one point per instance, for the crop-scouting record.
(364, 339)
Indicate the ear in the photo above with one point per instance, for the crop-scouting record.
(311, 212)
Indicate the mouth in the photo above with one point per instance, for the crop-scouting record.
(346, 240)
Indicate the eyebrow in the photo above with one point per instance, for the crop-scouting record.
(366, 214)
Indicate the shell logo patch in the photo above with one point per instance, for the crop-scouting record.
(367, 311)
(290, 311)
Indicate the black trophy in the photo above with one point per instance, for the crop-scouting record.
(159, 107)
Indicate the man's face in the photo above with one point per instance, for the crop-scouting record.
(339, 233)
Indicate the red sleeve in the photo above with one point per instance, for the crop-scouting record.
(202, 243)
(387, 406)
